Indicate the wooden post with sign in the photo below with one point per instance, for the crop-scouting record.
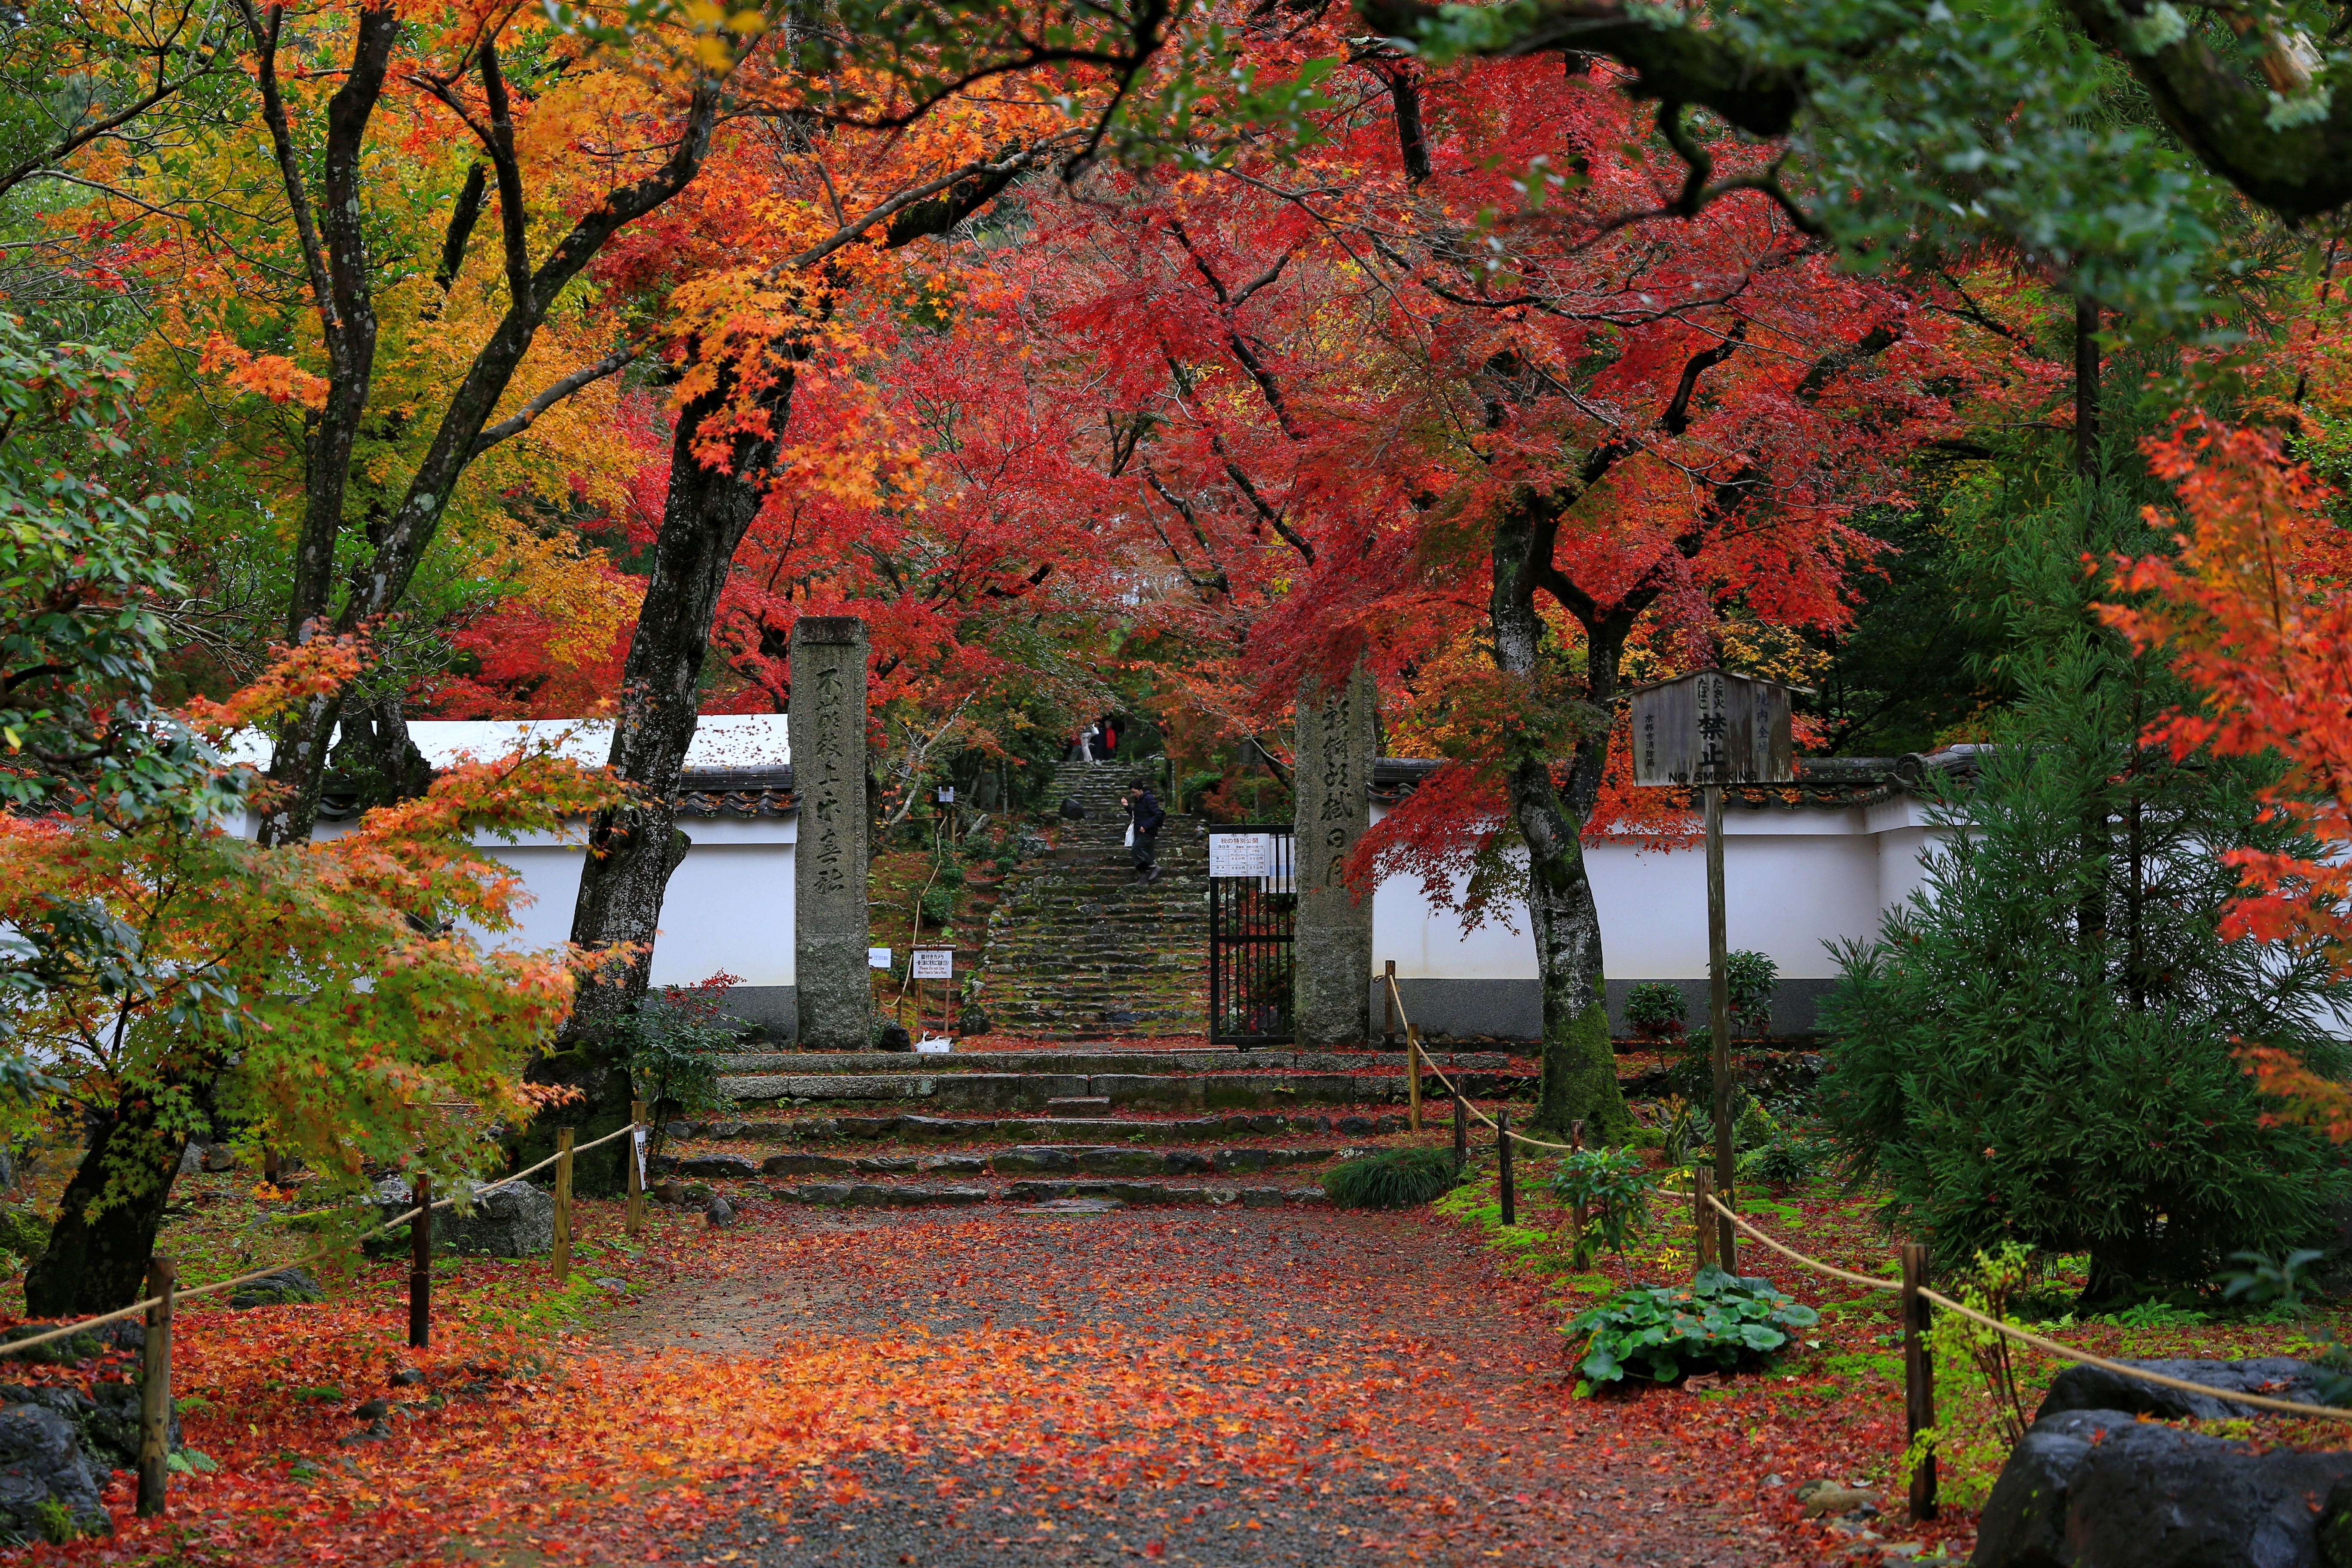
(635, 1152)
(933, 964)
(1705, 731)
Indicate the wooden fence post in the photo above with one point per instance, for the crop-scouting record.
(1503, 1164)
(1413, 1075)
(1576, 1145)
(155, 1391)
(1461, 1132)
(420, 1267)
(1703, 1215)
(1918, 1375)
(564, 1204)
(633, 1151)
(1388, 1006)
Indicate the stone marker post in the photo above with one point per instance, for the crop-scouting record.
(1333, 948)
(829, 914)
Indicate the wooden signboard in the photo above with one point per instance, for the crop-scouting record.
(1712, 727)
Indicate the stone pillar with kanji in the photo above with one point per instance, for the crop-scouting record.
(1338, 729)
(830, 927)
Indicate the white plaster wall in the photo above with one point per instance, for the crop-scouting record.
(729, 904)
(1794, 882)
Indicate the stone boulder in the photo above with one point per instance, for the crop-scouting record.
(509, 1219)
(2103, 1489)
(719, 1165)
(47, 1490)
(105, 1419)
(2095, 1388)
(276, 1290)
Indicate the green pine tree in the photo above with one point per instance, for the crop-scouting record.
(2038, 1047)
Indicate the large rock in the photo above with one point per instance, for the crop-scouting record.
(287, 1285)
(2101, 1488)
(719, 1165)
(45, 1480)
(105, 1419)
(2095, 1388)
(510, 1219)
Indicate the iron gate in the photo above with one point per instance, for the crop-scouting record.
(1253, 908)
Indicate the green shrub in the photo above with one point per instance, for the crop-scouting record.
(1615, 1191)
(23, 1231)
(1786, 1160)
(1751, 979)
(669, 1046)
(938, 906)
(1656, 1009)
(1392, 1179)
(2038, 1047)
(1716, 1322)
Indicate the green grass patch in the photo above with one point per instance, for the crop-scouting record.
(1392, 1179)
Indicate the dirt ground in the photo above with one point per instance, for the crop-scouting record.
(1381, 1396)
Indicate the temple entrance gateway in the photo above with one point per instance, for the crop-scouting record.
(1253, 930)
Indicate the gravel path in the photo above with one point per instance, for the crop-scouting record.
(1229, 1387)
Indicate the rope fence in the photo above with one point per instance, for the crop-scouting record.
(1916, 1297)
(165, 1296)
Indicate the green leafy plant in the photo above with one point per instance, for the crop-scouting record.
(1612, 1188)
(1392, 1179)
(2277, 1283)
(1753, 979)
(1716, 1322)
(671, 1045)
(1656, 1009)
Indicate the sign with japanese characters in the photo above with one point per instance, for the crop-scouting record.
(934, 963)
(1712, 727)
(1241, 854)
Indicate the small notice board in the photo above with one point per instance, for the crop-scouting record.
(1241, 854)
(934, 963)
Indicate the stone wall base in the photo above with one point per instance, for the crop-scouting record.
(1513, 1009)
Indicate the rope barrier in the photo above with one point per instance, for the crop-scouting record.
(2048, 1346)
(70, 1329)
(1415, 1054)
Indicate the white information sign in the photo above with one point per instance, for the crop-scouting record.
(1241, 854)
(934, 963)
(947, 795)
(877, 958)
(637, 1140)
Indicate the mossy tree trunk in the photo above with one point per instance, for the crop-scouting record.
(98, 1252)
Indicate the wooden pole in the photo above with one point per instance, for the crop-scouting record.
(1461, 1132)
(1918, 1375)
(563, 1205)
(1503, 1166)
(1412, 1073)
(420, 1267)
(1703, 1215)
(155, 1391)
(1575, 1143)
(633, 1150)
(1387, 1006)
(1719, 1019)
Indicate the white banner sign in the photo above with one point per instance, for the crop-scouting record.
(638, 1140)
(935, 963)
(1241, 854)
(877, 958)
(947, 795)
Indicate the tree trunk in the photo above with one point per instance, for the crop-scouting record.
(1579, 1067)
(98, 1262)
(632, 849)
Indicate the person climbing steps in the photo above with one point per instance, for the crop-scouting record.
(1144, 818)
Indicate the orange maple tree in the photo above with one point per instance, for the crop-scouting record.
(2256, 612)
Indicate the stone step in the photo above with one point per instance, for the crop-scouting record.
(1108, 1194)
(818, 1127)
(1074, 1059)
(1020, 1160)
(1032, 1090)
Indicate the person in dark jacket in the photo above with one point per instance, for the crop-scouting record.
(1144, 814)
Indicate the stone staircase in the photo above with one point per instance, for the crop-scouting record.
(1076, 949)
(1094, 1127)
